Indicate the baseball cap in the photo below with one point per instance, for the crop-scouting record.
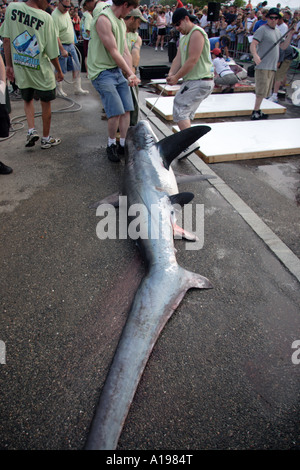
(136, 13)
(273, 11)
(179, 14)
(216, 51)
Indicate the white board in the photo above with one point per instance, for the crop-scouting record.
(218, 105)
(228, 141)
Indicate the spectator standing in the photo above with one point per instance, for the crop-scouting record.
(30, 38)
(169, 15)
(161, 24)
(222, 25)
(76, 23)
(285, 59)
(250, 22)
(266, 36)
(203, 21)
(85, 25)
(230, 16)
(240, 33)
(68, 58)
(230, 31)
(262, 20)
(282, 25)
(144, 31)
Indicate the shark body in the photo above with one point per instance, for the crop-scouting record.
(149, 180)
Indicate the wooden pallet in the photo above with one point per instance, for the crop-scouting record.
(171, 90)
(231, 141)
(218, 105)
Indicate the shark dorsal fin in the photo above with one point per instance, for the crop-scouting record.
(172, 146)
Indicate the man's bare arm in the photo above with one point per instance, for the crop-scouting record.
(136, 53)
(103, 27)
(8, 60)
(195, 50)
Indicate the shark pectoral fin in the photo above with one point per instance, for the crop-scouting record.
(113, 199)
(181, 198)
(172, 146)
(195, 280)
(179, 232)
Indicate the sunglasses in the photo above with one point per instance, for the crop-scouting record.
(178, 23)
(65, 6)
(274, 17)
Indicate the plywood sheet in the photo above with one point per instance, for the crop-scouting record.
(240, 87)
(218, 105)
(171, 90)
(229, 141)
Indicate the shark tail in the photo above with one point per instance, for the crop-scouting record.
(148, 315)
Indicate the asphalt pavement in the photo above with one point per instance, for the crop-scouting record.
(224, 373)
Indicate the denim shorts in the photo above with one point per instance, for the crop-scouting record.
(188, 98)
(69, 63)
(114, 91)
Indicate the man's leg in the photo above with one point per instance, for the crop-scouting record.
(76, 73)
(29, 112)
(32, 135)
(263, 83)
(124, 124)
(47, 141)
(111, 150)
(113, 124)
(46, 117)
(184, 124)
(258, 101)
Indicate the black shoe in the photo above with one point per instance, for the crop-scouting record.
(258, 115)
(121, 150)
(4, 169)
(112, 153)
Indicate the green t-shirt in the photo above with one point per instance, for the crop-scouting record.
(33, 43)
(99, 58)
(204, 67)
(64, 26)
(131, 39)
(85, 24)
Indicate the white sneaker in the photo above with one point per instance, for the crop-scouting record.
(48, 143)
(31, 138)
(156, 48)
(273, 98)
(161, 48)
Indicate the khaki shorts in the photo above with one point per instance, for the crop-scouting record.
(264, 81)
(282, 70)
(188, 98)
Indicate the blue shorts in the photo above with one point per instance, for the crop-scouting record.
(69, 63)
(114, 91)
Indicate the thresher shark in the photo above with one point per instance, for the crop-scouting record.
(149, 179)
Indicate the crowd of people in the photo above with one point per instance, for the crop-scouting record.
(38, 33)
(237, 23)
